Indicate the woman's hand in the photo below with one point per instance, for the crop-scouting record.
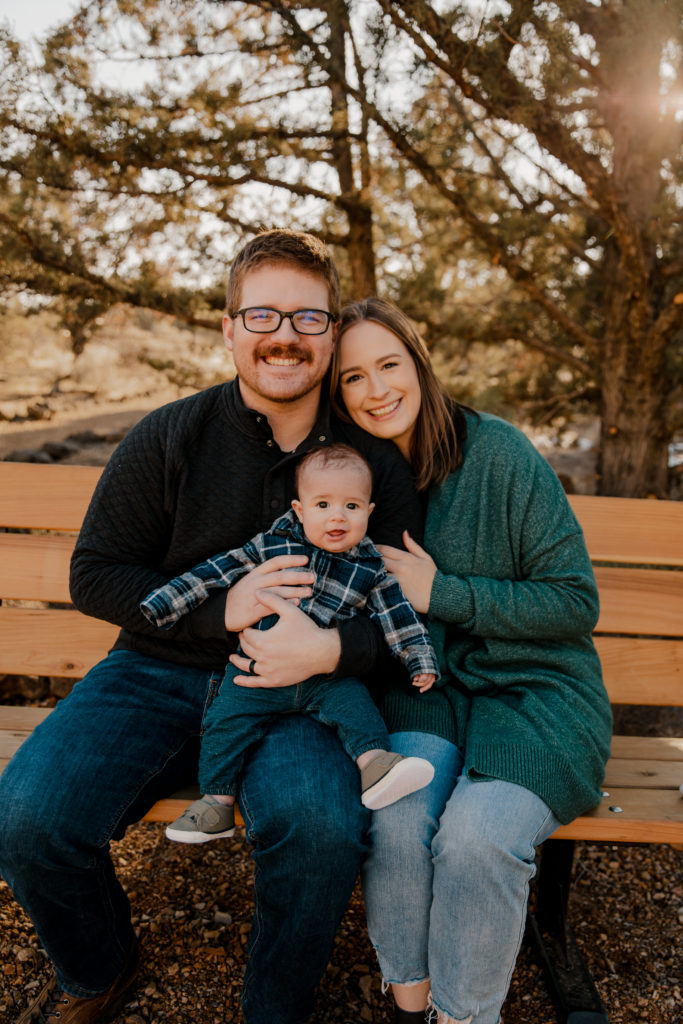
(279, 576)
(413, 568)
(292, 650)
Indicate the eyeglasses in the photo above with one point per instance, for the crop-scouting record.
(264, 320)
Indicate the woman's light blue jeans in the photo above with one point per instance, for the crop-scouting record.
(127, 735)
(447, 880)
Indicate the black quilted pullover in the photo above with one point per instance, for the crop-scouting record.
(199, 476)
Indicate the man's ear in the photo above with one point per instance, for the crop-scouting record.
(228, 327)
(296, 505)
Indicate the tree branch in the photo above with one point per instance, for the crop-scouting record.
(496, 247)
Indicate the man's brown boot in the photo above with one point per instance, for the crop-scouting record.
(53, 1006)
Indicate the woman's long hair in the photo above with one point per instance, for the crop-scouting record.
(440, 428)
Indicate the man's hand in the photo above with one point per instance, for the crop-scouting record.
(292, 650)
(413, 568)
(278, 576)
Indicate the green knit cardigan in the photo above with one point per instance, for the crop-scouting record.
(512, 608)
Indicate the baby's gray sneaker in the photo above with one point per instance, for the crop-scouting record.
(202, 821)
(388, 777)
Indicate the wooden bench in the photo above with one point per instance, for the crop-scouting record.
(637, 549)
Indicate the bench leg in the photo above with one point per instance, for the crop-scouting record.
(566, 972)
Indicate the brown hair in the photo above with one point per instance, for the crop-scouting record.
(281, 245)
(332, 455)
(440, 428)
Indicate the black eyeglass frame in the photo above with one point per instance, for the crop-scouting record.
(331, 318)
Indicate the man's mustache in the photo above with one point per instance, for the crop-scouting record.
(277, 351)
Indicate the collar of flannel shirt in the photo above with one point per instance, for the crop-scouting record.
(289, 526)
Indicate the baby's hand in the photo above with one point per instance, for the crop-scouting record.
(424, 681)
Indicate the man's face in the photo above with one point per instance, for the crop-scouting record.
(282, 367)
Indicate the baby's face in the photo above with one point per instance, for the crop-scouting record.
(334, 505)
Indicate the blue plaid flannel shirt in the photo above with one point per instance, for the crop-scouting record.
(346, 583)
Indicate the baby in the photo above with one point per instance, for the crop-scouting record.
(327, 523)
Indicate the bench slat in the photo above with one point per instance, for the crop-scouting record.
(671, 757)
(630, 529)
(640, 601)
(639, 822)
(35, 567)
(49, 642)
(55, 497)
(622, 771)
(9, 744)
(45, 497)
(647, 816)
(169, 809)
(648, 601)
(43, 642)
(22, 718)
(649, 748)
(633, 773)
(642, 671)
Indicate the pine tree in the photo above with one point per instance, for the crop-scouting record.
(507, 172)
(553, 134)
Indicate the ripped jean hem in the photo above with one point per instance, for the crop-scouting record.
(433, 1013)
(387, 982)
(439, 1016)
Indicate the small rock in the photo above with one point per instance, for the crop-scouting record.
(28, 455)
(31, 688)
(29, 955)
(59, 449)
(60, 686)
(39, 411)
(85, 437)
(365, 985)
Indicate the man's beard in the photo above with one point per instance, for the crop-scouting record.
(295, 351)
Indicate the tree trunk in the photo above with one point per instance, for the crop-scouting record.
(635, 434)
(635, 385)
(633, 442)
(361, 252)
(353, 199)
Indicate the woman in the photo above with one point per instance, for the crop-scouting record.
(518, 728)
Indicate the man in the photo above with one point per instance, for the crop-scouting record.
(194, 477)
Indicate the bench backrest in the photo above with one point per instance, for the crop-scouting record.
(636, 547)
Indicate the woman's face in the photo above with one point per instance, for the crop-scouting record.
(379, 383)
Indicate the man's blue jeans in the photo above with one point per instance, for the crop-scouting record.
(127, 735)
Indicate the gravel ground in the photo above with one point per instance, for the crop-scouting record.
(193, 908)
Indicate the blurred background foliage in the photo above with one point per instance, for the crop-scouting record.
(509, 173)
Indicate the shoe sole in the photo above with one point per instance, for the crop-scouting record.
(404, 778)
(192, 838)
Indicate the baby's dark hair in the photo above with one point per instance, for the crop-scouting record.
(337, 454)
